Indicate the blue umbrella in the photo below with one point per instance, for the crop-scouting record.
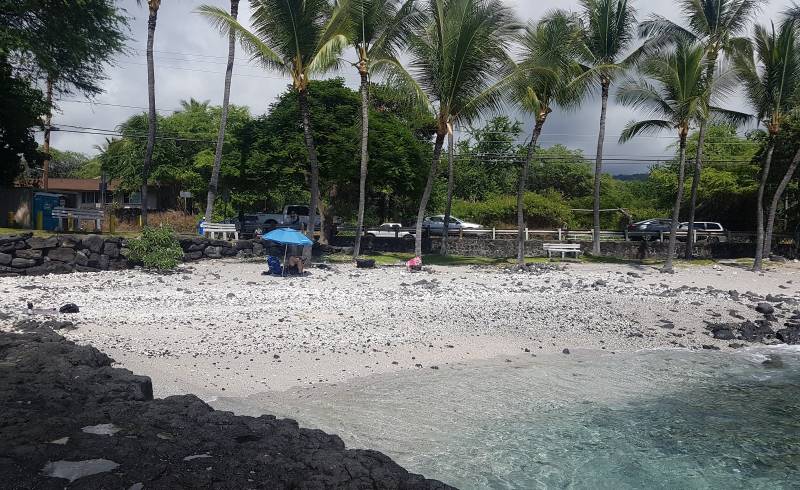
(286, 236)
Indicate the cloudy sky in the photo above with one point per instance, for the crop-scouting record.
(190, 62)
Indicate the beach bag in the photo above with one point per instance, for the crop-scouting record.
(274, 265)
(414, 264)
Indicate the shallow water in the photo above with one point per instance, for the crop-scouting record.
(648, 419)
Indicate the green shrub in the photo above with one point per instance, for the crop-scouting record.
(157, 248)
(546, 210)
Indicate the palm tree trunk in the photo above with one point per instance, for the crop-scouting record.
(151, 114)
(698, 167)
(226, 97)
(522, 186)
(773, 208)
(362, 184)
(676, 210)
(305, 114)
(46, 146)
(759, 258)
(426, 193)
(450, 182)
(598, 166)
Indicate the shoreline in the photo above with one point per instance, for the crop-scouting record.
(220, 328)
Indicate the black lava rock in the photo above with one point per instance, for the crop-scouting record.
(755, 332)
(765, 308)
(161, 443)
(789, 335)
(69, 308)
(723, 331)
(365, 263)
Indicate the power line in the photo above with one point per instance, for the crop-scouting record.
(161, 66)
(115, 105)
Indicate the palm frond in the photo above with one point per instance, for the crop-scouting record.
(397, 77)
(251, 43)
(648, 126)
(727, 116)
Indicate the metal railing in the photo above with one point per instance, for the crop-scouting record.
(560, 234)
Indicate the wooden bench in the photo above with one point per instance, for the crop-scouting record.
(564, 248)
(210, 229)
(78, 214)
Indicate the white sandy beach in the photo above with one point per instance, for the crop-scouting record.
(221, 328)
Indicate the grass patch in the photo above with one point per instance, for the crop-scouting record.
(399, 258)
(45, 233)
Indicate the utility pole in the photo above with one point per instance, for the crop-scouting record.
(46, 145)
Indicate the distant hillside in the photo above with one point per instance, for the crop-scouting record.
(631, 177)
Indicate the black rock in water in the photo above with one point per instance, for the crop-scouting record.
(789, 335)
(69, 308)
(723, 331)
(50, 389)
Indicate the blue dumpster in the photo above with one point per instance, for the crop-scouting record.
(45, 202)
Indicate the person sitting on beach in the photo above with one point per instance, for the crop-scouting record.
(295, 261)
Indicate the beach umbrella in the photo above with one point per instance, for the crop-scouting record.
(286, 236)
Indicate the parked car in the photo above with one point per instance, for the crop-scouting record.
(251, 226)
(389, 230)
(702, 226)
(649, 229)
(435, 225)
(707, 230)
(293, 215)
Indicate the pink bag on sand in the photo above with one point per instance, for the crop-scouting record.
(414, 264)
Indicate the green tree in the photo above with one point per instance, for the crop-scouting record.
(673, 89)
(377, 30)
(66, 164)
(608, 34)
(548, 76)
(486, 162)
(717, 25)
(458, 56)
(226, 96)
(399, 151)
(299, 38)
(21, 108)
(183, 156)
(771, 78)
(64, 44)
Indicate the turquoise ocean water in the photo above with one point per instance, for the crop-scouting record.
(648, 419)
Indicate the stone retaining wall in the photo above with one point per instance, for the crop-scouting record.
(639, 250)
(25, 254)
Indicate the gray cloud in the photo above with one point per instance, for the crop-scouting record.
(190, 62)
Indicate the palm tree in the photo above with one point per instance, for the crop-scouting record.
(153, 6)
(608, 34)
(226, 97)
(298, 38)
(378, 29)
(717, 25)
(459, 61)
(547, 76)
(770, 74)
(674, 90)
